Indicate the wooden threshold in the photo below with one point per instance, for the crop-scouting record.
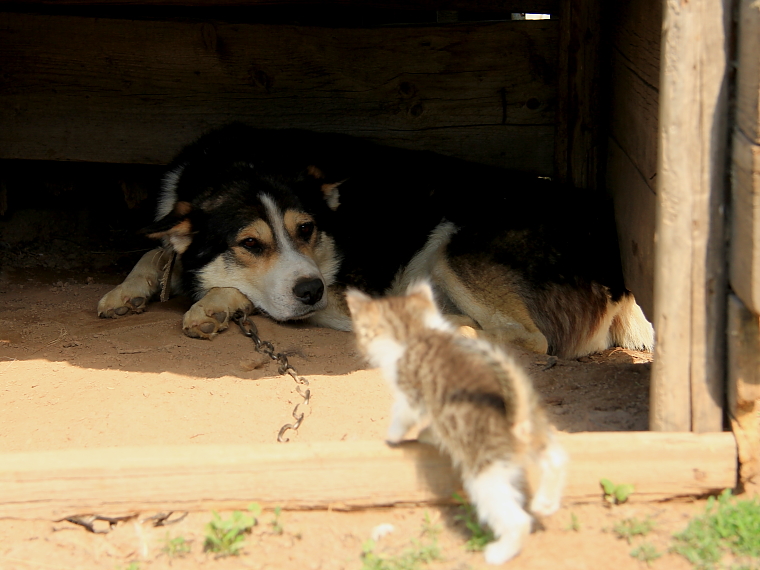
(53, 485)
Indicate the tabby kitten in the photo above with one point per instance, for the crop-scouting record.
(480, 404)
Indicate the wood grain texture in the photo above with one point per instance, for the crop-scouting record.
(745, 191)
(744, 386)
(581, 105)
(633, 126)
(635, 206)
(748, 70)
(688, 372)
(137, 91)
(337, 475)
(745, 220)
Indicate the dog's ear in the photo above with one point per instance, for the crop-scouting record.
(174, 227)
(329, 189)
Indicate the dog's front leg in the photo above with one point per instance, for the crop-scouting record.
(142, 283)
(211, 315)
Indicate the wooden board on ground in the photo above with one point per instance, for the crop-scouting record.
(134, 91)
(335, 475)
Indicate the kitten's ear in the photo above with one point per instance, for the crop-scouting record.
(356, 300)
(175, 227)
(422, 289)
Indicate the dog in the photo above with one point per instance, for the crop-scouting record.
(283, 221)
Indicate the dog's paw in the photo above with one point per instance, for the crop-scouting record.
(211, 315)
(121, 301)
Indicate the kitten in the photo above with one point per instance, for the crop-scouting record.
(482, 409)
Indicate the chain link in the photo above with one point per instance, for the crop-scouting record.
(248, 327)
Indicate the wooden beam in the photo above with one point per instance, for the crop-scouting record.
(690, 286)
(744, 386)
(503, 6)
(745, 191)
(132, 91)
(337, 475)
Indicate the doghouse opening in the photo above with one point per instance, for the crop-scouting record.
(88, 125)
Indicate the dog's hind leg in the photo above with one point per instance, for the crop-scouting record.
(142, 283)
(211, 315)
(489, 296)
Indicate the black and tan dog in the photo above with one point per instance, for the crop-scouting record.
(282, 221)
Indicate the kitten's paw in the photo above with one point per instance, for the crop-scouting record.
(544, 505)
(499, 551)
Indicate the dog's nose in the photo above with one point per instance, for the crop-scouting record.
(309, 291)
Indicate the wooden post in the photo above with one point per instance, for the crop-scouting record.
(334, 475)
(690, 290)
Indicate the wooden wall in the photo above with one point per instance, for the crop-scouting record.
(744, 308)
(134, 91)
(631, 176)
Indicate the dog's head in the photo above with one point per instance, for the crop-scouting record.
(259, 234)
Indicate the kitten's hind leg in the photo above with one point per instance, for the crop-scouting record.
(552, 463)
(403, 417)
(497, 497)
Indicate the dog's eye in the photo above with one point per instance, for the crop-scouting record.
(253, 245)
(305, 230)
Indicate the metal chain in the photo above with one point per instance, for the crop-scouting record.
(248, 327)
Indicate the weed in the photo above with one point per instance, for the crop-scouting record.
(575, 524)
(728, 527)
(175, 547)
(646, 552)
(422, 552)
(616, 494)
(132, 566)
(479, 536)
(276, 524)
(226, 537)
(628, 528)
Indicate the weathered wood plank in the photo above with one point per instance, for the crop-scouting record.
(635, 206)
(744, 386)
(57, 484)
(745, 191)
(136, 91)
(505, 6)
(636, 34)
(745, 221)
(748, 70)
(634, 120)
(632, 152)
(581, 127)
(688, 372)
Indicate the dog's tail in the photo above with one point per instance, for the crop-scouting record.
(629, 327)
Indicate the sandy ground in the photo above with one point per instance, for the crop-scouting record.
(71, 380)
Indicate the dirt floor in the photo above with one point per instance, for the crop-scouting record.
(71, 380)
